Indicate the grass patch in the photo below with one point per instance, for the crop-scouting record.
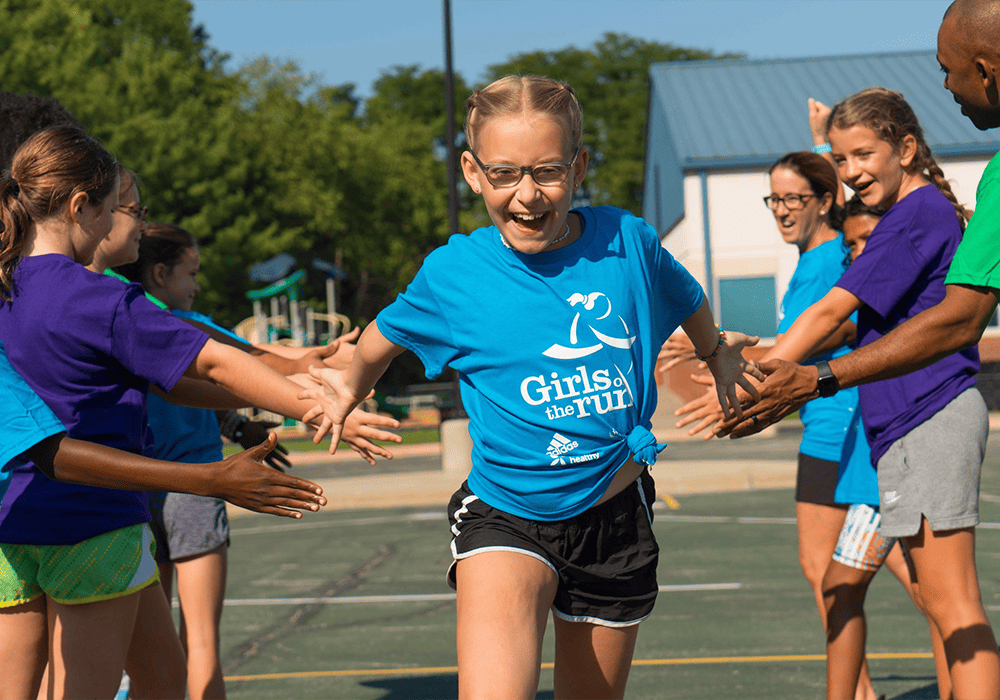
(416, 436)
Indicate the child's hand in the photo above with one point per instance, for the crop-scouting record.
(244, 480)
(362, 427)
(818, 114)
(676, 350)
(335, 401)
(730, 369)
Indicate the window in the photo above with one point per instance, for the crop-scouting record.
(749, 305)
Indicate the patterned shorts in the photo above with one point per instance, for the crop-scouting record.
(107, 566)
(860, 546)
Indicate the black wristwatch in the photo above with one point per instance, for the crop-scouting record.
(826, 382)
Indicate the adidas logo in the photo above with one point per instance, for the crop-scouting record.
(559, 446)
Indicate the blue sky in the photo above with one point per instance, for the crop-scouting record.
(353, 41)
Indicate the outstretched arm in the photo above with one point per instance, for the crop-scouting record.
(956, 323)
(348, 388)
(242, 479)
(827, 318)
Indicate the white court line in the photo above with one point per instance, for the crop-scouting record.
(412, 517)
(433, 597)
(989, 498)
(435, 515)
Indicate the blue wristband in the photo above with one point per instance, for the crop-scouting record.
(821, 149)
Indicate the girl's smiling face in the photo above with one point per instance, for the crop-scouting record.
(529, 216)
(122, 244)
(871, 166)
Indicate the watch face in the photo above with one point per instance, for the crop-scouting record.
(826, 382)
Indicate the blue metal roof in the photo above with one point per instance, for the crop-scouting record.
(743, 112)
(706, 115)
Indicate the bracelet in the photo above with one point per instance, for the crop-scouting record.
(715, 352)
(822, 148)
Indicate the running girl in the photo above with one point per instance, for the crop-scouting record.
(553, 319)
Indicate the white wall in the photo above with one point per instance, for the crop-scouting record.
(745, 241)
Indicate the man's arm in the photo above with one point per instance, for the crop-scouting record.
(954, 324)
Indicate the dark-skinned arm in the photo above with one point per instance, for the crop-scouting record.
(954, 324)
(243, 479)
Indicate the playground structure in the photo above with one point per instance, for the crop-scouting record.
(290, 321)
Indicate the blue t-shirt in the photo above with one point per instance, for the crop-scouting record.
(900, 274)
(555, 352)
(829, 423)
(182, 433)
(88, 346)
(25, 418)
(857, 480)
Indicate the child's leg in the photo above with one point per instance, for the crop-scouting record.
(946, 582)
(844, 589)
(860, 552)
(23, 649)
(155, 661)
(592, 661)
(201, 588)
(88, 644)
(900, 568)
(503, 604)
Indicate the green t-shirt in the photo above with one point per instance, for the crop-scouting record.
(111, 273)
(977, 260)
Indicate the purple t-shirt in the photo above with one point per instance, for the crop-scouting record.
(900, 274)
(89, 347)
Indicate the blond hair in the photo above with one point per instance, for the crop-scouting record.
(522, 94)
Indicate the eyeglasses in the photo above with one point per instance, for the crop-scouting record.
(791, 201)
(133, 211)
(544, 174)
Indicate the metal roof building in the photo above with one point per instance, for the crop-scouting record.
(714, 127)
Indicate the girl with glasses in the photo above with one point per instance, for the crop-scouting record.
(553, 317)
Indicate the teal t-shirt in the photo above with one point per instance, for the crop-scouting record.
(26, 419)
(977, 260)
(555, 352)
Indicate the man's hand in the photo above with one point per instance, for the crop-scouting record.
(788, 386)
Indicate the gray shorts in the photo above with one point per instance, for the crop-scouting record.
(933, 471)
(186, 525)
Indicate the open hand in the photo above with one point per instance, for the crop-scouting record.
(246, 481)
(361, 427)
(731, 369)
(788, 386)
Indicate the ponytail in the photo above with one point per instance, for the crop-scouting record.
(48, 170)
(15, 221)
